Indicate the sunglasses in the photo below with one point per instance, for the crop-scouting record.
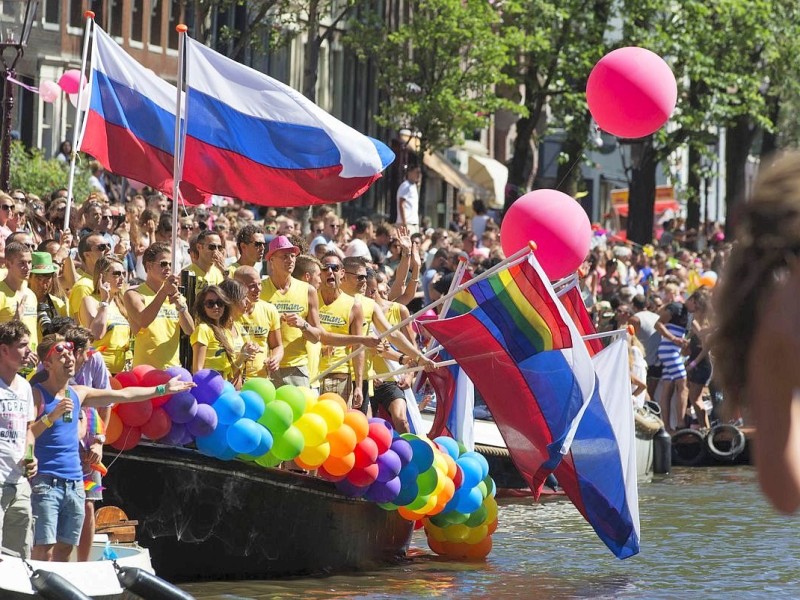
(186, 227)
(165, 264)
(271, 228)
(258, 244)
(20, 198)
(102, 247)
(59, 348)
(117, 273)
(7, 206)
(31, 246)
(319, 231)
(331, 267)
(359, 276)
(214, 247)
(214, 304)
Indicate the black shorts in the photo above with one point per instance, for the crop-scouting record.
(384, 394)
(655, 371)
(701, 374)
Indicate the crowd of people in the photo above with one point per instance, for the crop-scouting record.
(259, 292)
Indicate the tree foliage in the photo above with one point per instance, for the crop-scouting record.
(32, 172)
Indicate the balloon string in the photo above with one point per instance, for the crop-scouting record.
(571, 167)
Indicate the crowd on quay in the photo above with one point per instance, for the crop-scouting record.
(271, 296)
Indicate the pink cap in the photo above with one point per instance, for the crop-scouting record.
(281, 242)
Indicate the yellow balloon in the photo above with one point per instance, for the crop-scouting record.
(439, 463)
(331, 412)
(313, 427)
(439, 485)
(491, 509)
(429, 505)
(456, 533)
(435, 532)
(476, 534)
(310, 396)
(314, 456)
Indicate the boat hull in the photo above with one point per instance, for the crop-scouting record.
(207, 519)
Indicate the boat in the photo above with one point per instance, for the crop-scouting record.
(206, 519)
(96, 578)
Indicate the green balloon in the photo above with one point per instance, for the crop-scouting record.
(456, 518)
(461, 449)
(277, 417)
(268, 460)
(477, 518)
(483, 489)
(246, 457)
(387, 506)
(289, 444)
(294, 397)
(440, 520)
(261, 386)
(427, 481)
(418, 502)
(491, 488)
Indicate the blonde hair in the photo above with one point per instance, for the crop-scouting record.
(100, 267)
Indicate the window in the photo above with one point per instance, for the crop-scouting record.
(76, 14)
(156, 11)
(114, 27)
(52, 11)
(174, 21)
(137, 21)
(97, 9)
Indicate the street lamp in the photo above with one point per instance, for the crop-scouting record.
(16, 21)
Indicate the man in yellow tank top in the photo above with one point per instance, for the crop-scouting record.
(208, 262)
(297, 305)
(156, 309)
(342, 319)
(262, 326)
(251, 245)
(355, 283)
(308, 269)
(91, 248)
(17, 301)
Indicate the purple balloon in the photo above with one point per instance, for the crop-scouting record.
(383, 422)
(348, 489)
(180, 372)
(204, 422)
(389, 465)
(403, 449)
(176, 435)
(210, 386)
(384, 491)
(181, 407)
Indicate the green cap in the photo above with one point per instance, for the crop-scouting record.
(42, 264)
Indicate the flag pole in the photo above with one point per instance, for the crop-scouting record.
(445, 363)
(176, 159)
(89, 15)
(518, 256)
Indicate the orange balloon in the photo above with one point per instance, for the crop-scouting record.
(115, 384)
(437, 546)
(340, 465)
(492, 527)
(448, 491)
(358, 422)
(478, 551)
(335, 397)
(114, 428)
(451, 466)
(343, 440)
(409, 515)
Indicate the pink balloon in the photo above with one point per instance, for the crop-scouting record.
(49, 91)
(73, 99)
(557, 223)
(71, 81)
(631, 92)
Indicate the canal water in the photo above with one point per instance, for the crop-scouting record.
(706, 533)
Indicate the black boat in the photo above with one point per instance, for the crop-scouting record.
(202, 518)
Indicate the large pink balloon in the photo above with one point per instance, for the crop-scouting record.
(631, 92)
(558, 225)
(71, 81)
(49, 91)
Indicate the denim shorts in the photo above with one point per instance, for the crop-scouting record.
(58, 508)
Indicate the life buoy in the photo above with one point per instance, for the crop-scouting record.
(688, 448)
(724, 435)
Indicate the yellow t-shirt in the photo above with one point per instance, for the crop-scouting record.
(393, 316)
(83, 287)
(157, 344)
(113, 346)
(9, 300)
(256, 327)
(314, 350)
(203, 279)
(294, 301)
(216, 357)
(335, 318)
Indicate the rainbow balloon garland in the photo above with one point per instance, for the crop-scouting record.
(436, 484)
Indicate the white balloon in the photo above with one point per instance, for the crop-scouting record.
(73, 99)
(49, 91)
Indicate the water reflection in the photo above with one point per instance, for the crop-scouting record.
(706, 533)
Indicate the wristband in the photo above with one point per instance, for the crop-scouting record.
(161, 390)
(103, 304)
(46, 420)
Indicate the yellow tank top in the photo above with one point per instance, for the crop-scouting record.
(335, 318)
(393, 316)
(367, 309)
(294, 301)
(157, 344)
(113, 346)
(216, 357)
(8, 309)
(83, 287)
(256, 328)
(314, 350)
(203, 279)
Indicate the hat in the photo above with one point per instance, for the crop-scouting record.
(281, 242)
(42, 263)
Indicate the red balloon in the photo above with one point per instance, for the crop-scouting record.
(381, 435)
(154, 378)
(128, 439)
(135, 414)
(556, 223)
(366, 452)
(631, 92)
(127, 379)
(363, 477)
(141, 370)
(458, 478)
(158, 425)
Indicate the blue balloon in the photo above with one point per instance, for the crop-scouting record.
(472, 471)
(253, 405)
(481, 460)
(227, 387)
(214, 444)
(408, 474)
(470, 501)
(449, 444)
(408, 493)
(348, 489)
(265, 445)
(403, 449)
(244, 436)
(229, 408)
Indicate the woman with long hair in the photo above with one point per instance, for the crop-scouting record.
(104, 314)
(218, 342)
(698, 369)
(35, 220)
(672, 323)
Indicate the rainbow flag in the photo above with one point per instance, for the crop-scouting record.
(521, 349)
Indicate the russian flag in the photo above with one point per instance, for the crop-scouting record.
(252, 137)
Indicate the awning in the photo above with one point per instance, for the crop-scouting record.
(442, 167)
(491, 174)
(661, 206)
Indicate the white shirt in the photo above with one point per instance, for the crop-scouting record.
(408, 198)
(16, 411)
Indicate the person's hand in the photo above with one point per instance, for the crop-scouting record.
(249, 351)
(403, 238)
(294, 320)
(273, 364)
(66, 239)
(426, 363)
(416, 260)
(31, 359)
(94, 455)
(175, 385)
(370, 341)
(65, 405)
(404, 380)
(170, 285)
(219, 260)
(358, 397)
(30, 466)
(150, 227)
(383, 346)
(105, 291)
